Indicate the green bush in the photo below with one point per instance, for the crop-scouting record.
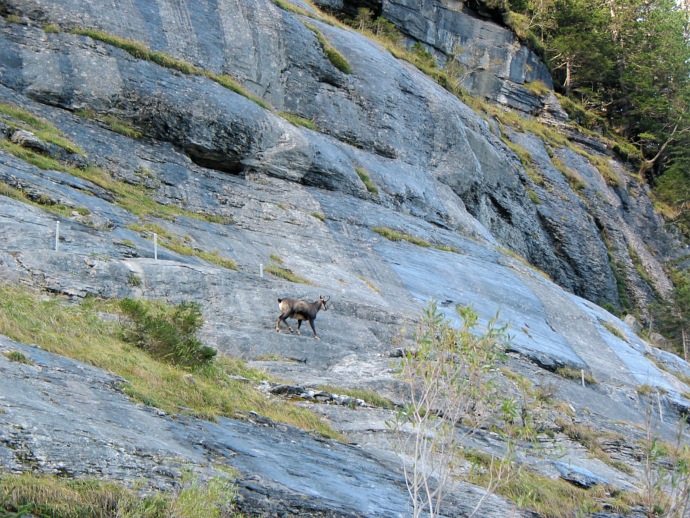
(166, 333)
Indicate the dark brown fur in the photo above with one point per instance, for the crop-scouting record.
(300, 310)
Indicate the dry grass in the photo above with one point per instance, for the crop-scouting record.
(288, 275)
(17, 117)
(174, 243)
(47, 495)
(141, 51)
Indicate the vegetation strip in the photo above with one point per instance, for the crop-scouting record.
(394, 235)
(50, 495)
(17, 117)
(141, 51)
(172, 242)
(336, 58)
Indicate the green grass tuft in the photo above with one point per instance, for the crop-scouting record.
(288, 275)
(574, 374)
(366, 180)
(368, 396)
(287, 6)
(394, 235)
(336, 58)
(18, 357)
(299, 121)
(42, 201)
(117, 124)
(49, 495)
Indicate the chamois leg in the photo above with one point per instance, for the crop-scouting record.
(299, 324)
(311, 323)
(282, 317)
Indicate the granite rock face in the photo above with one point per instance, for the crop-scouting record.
(273, 192)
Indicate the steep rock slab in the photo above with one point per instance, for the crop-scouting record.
(109, 436)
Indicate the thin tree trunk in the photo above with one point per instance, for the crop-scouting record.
(568, 77)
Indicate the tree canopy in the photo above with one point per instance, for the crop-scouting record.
(628, 60)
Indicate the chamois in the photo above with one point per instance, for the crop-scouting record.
(300, 310)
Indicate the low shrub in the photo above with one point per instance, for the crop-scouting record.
(168, 334)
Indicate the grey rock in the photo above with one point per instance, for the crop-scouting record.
(578, 476)
(443, 174)
(632, 323)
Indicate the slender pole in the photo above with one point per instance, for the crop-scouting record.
(155, 246)
(261, 270)
(57, 234)
(582, 374)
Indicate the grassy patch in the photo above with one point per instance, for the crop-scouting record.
(602, 164)
(174, 243)
(47, 495)
(366, 180)
(276, 258)
(537, 87)
(16, 117)
(645, 390)
(18, 357)
(394, 235)
(299, 121)
(556, 498)
(613, 330)
(525, 158)
(573, 178)
(141, 51)
(591, 439)
(447, 248)
(318, 215)
(574, 374)
(534, 197)
(42, 201)
(639, 266)
(288, 275)
(134, 199)
(51, 28)
(117, 124)
(287, 6)
(77, 331)
(369, 283)
(336, 58)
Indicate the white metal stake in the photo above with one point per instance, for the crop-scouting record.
(582, 374)
(155, 246)
(57, 234)
(261, 270)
